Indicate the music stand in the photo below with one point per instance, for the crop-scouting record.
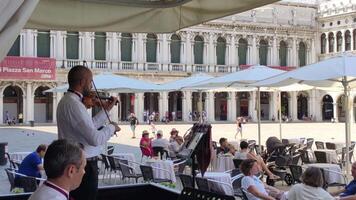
(189, 148)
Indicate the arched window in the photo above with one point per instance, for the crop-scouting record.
(282, 53)
(198, 49)
(15, 49)
(242, 52)
(331, 42)
(302, 54)
(175, 48)
(323, 43)
(339, 41)
(263, 50)
(72, 45)
(347, 41)
(151, 48)
(43, 44)
(220, 51)
(126, 47)
(100, 46)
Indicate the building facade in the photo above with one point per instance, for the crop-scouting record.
(284, 35)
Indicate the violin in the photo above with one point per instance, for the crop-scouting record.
(91, 100)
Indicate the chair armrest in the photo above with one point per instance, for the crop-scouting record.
(23, 175)
(121, 163)
(236, 177)
(179, 163)
(223, 183)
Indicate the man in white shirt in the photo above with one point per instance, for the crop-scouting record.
(160, 141)
(64, 165)
(75, 123)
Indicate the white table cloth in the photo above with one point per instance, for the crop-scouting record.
(224, 163)
(18, 156)
(221, 177)
(331, 155)
(330, 170)
(163, 164)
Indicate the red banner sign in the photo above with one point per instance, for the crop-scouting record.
(25, 68)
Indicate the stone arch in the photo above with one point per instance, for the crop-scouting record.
(327, 107)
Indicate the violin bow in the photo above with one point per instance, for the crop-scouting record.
(97, 94)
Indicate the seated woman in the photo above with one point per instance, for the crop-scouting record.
(225, 147)
(145, 144)
(245, 153)
(254, 187)
(175, 146)
(311, 186)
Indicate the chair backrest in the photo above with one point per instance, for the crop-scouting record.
(202, 184)
(125, 169)
(104, 159)
(295, 159)
(330, 145)
(112, 163)
(147, 173)
(238, 189)
(285, 141)
(28, 183)
(296, 172)
(237, 163)
(310, 142)
(319, 145)
(10, 177)
(304, 156)
(187, 180)
(325, 180)
(110, 150)
(160, 150)
(320, 156)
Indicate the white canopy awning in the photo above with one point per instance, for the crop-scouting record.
(133, 15)
(115, 83)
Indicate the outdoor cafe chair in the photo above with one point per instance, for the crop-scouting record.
(320, 157)
(147, 174)
(296, 171)
(202, 184)
(128, 171)
(319, 145)
(187, 180)
(330, 145)
(310, 142)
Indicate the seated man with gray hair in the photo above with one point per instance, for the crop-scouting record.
(64, 164)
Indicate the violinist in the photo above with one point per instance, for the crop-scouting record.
(75, 123)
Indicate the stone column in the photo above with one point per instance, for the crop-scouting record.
(254, 53)
(336, 117)
(327, 43)
(274, 101)
(294, 53)
(343, 40)
(211, 109)
(335, 41)
(231, 110)
(352, 40)
(275, 55)
(139, 106)
(141, 50)
(252, 107)
(29, 105)
(187, 105)
(163, 104)
(114, 112)
(294, 106)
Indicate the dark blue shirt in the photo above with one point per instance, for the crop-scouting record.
(29, 165)
(350, 189)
